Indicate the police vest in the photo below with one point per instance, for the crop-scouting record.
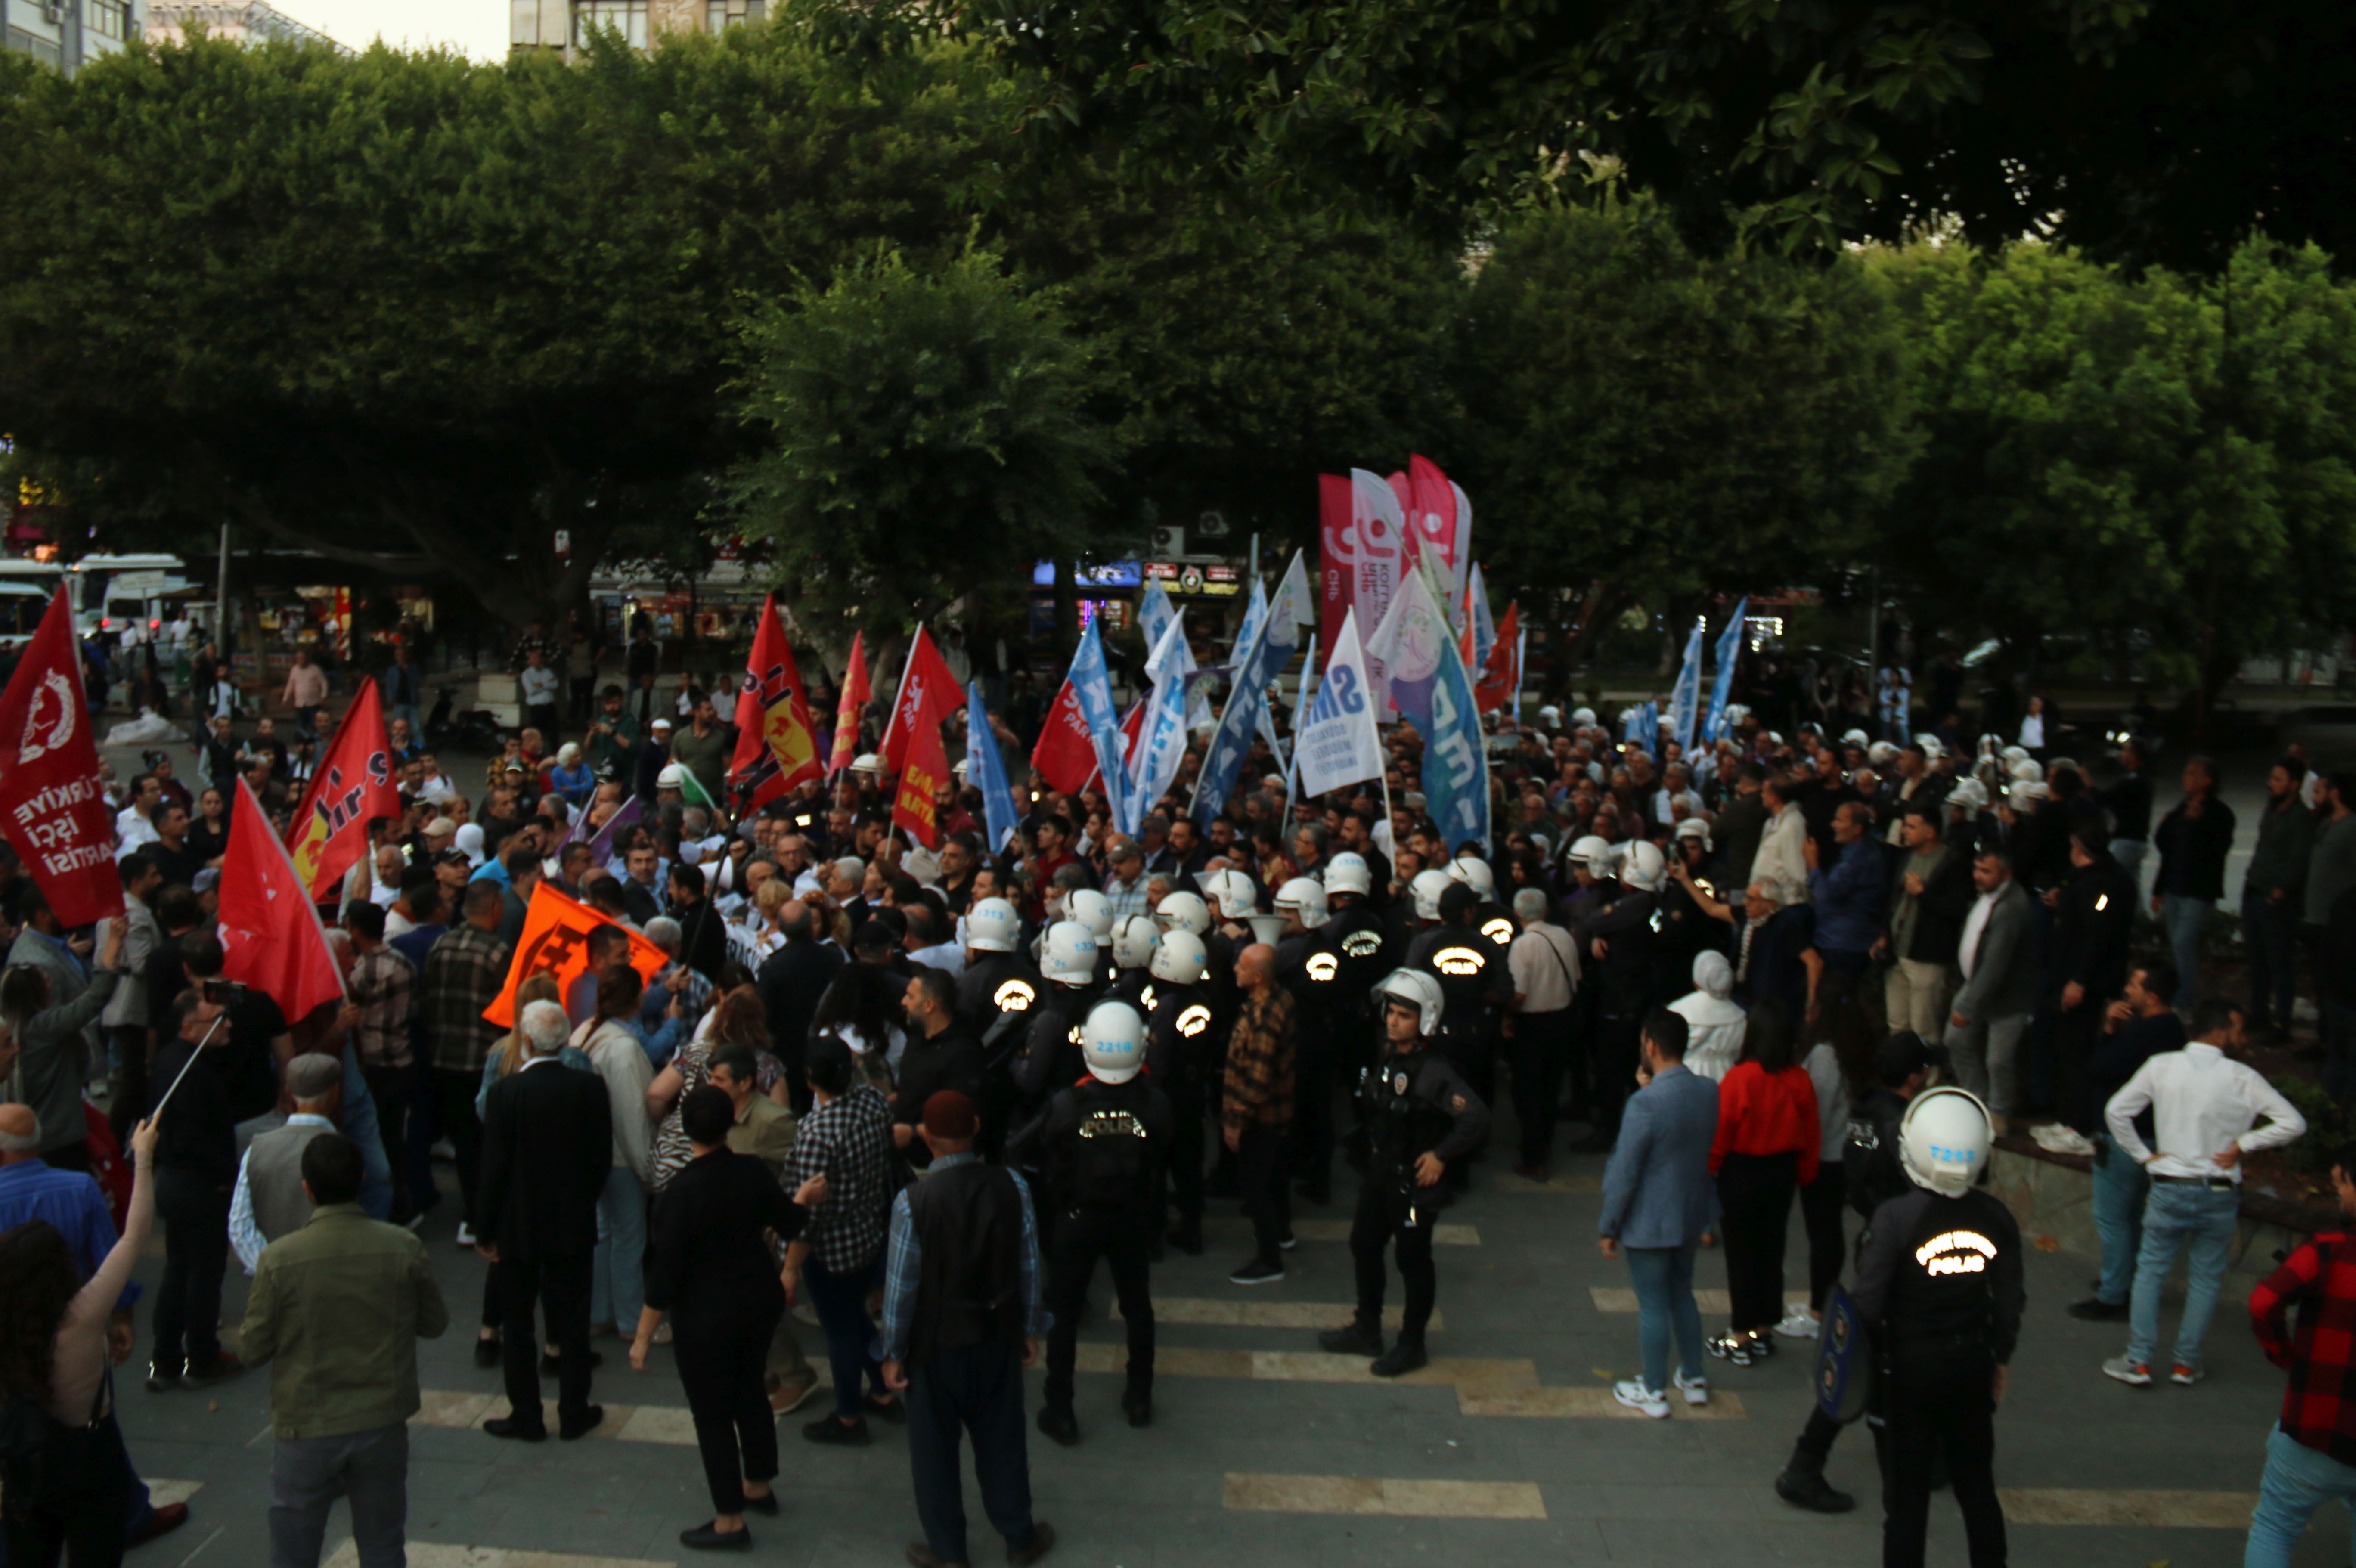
(1403, 1118)
(1112, 1157)
(1178, 1035)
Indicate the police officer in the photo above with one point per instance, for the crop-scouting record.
(1474, 978)
(1620, 939)
(1939, 1287)
(1178, 1058)
(1352, 934)
(1489, 918)
(1872, 1174)
(1132, 950)
(1102, 1147)
(1051, 1043)
(1311, 974)
(997, 979)
(1420, 1117)
(1093, 910)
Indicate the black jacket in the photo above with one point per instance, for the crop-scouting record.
(951, 1060)
(790, 982)
(1946, 899)
(1942, 1273)
(707, 1259)
(2091, 921)
(548, 1144)
(702, 939)
(2193, 850)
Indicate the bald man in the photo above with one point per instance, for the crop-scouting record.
(32, 1188)
(1256, 1113)
(792, 981)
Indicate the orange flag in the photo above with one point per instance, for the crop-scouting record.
(555, 941)
(270, 931)
(925, 768)
(330, 828)
(777, 748)
(856, 695)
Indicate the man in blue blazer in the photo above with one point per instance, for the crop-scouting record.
(1660, 1204)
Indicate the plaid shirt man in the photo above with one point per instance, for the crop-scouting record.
(693, 991)
(383, 985)
(849, 1141)
(903, 1270)
(464, 975)
(1126, 898)
(2320, 1279)
(1259, 1062)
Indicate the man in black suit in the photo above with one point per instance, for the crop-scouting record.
(792, 981)
(702, 930)
(548, 1144)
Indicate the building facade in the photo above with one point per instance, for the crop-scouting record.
(566, 25)
(242, 21)
(69, 34)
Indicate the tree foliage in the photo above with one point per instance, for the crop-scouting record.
(1656, 425)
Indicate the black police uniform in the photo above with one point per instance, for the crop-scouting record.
(1131, 986)
(1308, 974)
(1102, 1148)
(1477, 983)
(1354, 934)
(1220, 989)
(1625, 991)
(1496, 922)
(1939, 1283)
(1177, 1058)
(993, 984)
(1414, 1104)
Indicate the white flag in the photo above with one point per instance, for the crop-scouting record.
(1335, 743)
(1161, 741)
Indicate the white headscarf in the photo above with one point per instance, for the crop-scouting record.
(1715, 1023)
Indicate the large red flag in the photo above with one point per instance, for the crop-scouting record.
(776, 749)
(856, 695)
(1337, 539)
(329, 830)
(51, 801)
(926, 768)
(270, 930)
(1431, 503)
(1501, 679)
(1066, 755)
(928, 694)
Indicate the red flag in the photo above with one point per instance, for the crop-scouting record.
(51, 801)
(1065, 756)
(1337, 571)
(776, 749)
(1132, 730)
(1431, 503)
(1502, 676)
(856, 695)
(925, 769)
(928, 694)
(270, 930)
(329, 830)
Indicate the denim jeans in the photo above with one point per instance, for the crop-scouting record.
(1665, 1302)
(2120, 1188)
(2178, 1215)
(2270, 938)
(2298, 1481)
(841, 1303)
(2184, 917)
(618, 1279)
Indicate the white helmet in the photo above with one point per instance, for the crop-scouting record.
(2013, 753)
(1694, 828)
(1303, 894)
(1347, 873)
(1969, 794)
(867, 762)
(1944, 1140)
(1882, 753)
(992, 926)
(1584, 718)
(1183, 911)
(1177, 959)
(1426, 890)
(1068, 955)
(1591, 850)
(1091, 909)
(1475, 873)
(2026, 771)
(1238, 897)
(1132, 942)
(1854, 737)
(1112, 1042)
(673, 776)
(1420, 991)
(1643, 868)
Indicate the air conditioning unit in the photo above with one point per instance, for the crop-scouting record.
(54, 13)
(1211, 525)
(1169, 541)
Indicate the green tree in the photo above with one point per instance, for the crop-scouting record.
(1654, 427)
(2118, 458)
(927, 432)
(416, 313)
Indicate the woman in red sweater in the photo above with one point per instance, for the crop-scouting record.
(1766, 1149)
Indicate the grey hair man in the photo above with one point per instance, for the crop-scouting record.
(270, 1201)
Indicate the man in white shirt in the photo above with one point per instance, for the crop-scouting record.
(133, 826)
(1544, 963)
(2208, 1111)
(1780, 863)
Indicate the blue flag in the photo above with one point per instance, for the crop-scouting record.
(1685, 701)
(1643, 728)
(1729, 648)
(986, 770)
(1092, 686)
(1455, 756)
(1256, 666)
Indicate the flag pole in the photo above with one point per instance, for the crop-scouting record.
(166, 1100)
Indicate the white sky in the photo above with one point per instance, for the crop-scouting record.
(480, 28)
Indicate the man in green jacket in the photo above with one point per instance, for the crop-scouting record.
(338, 1308)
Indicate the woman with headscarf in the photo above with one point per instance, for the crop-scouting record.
(1715, 1022)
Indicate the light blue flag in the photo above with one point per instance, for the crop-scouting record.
(1092, 686)
(1484, 626)
(1161, 739)
(1643, 728)
(985, 768)
(1154, 613)
(1730, 649)
(1256, 666)
(1685, 701)
(1455, 757)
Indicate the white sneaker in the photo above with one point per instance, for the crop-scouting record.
(466, 1234)
(1632, 1394)
(1798, 1324)
(1696, 1388)
(2055, 1139)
